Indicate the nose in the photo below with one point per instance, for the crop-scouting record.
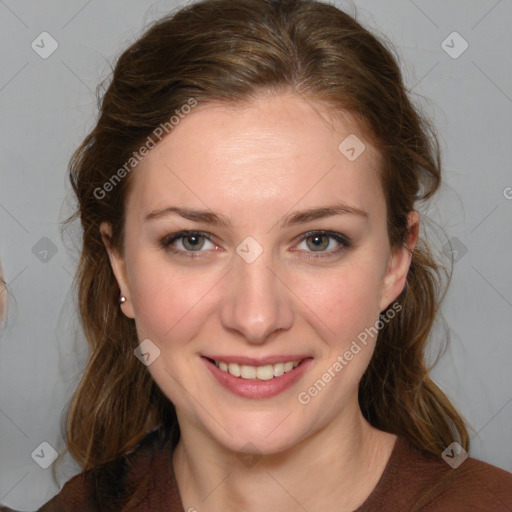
(256, 301)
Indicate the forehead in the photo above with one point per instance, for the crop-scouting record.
(269, 155)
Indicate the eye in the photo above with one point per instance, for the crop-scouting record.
(326, 243)
(190, 244)
(187, 242)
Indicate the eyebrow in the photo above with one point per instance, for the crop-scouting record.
(294, 218)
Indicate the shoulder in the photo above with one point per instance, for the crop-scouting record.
(138, 475)
(474, 485)
(76, 495)
(416, 482)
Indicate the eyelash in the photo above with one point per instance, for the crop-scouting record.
(168, 240)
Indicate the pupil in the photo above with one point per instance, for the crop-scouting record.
(192, 241)
(316, 241)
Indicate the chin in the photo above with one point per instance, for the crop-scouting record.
(258, 435)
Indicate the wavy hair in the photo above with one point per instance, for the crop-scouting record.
(231, 51)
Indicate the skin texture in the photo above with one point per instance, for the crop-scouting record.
(254, 165)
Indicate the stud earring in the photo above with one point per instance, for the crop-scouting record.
(122, 300)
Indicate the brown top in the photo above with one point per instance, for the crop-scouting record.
(410, 482)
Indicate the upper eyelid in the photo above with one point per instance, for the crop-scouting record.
(169, 239)
(299, 238)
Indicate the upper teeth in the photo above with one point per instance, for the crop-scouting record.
(267, 372)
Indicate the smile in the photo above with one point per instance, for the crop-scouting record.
(265, 372)
(263, 380)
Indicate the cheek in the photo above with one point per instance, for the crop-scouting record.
(165, 298)
(345, 299)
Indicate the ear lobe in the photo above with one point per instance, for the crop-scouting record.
(118, 267)
(399, 263)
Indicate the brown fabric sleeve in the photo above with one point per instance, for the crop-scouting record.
(413, 482)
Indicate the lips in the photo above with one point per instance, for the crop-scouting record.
(257, 377)
(256, 361)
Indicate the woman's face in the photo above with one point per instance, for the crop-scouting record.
(288, 261)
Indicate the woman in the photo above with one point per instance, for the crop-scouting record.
(253, 282)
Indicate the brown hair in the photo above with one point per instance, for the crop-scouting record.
(230, 51)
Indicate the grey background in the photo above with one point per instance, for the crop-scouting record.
(47, 107)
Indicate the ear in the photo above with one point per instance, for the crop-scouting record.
(399, 263)
(118, 267)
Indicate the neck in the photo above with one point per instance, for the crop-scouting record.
(343, 461)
